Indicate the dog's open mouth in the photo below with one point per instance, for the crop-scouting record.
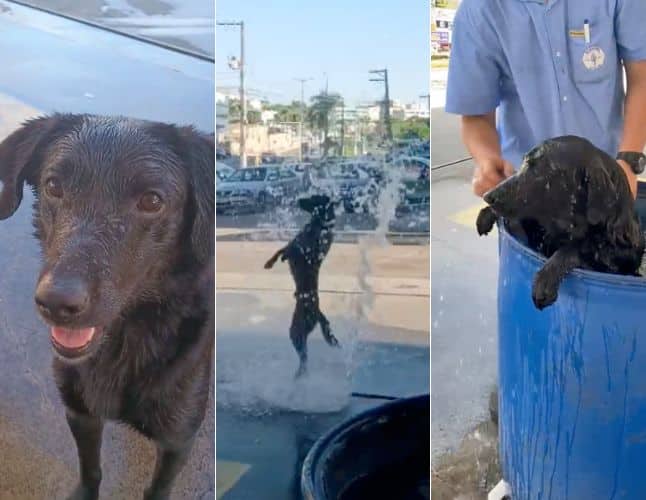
(73, 343)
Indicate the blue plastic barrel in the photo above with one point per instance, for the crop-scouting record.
(380, 453)
(572, 383)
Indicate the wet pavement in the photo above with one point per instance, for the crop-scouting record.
(278, 219)
(464, 271)
(188, 24)
(52, 64)
(266, 421)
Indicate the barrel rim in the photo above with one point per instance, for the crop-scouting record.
(594, 277)
(309, 490)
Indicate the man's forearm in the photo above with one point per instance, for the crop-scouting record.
(480, 136)
(634, 133)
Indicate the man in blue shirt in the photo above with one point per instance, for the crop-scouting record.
(549, 68)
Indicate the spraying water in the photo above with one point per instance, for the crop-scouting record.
(384, 207)
(259, 378)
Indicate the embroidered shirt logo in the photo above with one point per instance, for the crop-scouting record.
(593, 58)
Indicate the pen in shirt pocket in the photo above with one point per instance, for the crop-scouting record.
(586, 31)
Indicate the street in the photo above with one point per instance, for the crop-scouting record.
(464, 272)
(376, 298)
(282, 219)
(188, 24)
(54, 64)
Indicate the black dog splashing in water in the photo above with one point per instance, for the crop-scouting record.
(571, 202)
(305, 254)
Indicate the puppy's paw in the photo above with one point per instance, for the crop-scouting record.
(485, 221)
(269, 264)
(82, 492)
(544, 291)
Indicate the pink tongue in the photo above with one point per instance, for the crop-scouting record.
(72, 339)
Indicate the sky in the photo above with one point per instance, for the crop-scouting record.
(343, 39)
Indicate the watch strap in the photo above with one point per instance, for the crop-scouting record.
(635, 159)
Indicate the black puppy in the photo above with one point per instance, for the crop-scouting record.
(125, 218)
(305, 253)
(571, 202)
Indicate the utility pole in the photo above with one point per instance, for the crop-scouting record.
(243, 104)
(342, 126)
(300, 128)
(384, 78)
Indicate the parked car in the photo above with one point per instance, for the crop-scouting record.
(348, 183)
(259, 187)
(222, 171)
(303, 171)
(411, 167)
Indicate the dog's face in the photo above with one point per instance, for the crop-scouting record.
(567, 185)
(320, 206)
(120, 203)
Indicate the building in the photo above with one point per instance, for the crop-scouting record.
(442, 15)
(221, 115)
(262, 139)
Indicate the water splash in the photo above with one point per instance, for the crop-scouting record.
(384, 207)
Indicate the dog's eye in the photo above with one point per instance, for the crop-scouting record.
(54, 188)
(150, 202)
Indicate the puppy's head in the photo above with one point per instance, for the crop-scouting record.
(120, 204)
(320, 206)
(568, 185)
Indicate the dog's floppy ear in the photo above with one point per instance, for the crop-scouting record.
(21, 156)
(199, 156)
(306, 204)
(196, 151)
(601, 194)
(610, 201)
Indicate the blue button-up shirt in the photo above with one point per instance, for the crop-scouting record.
(533, 61)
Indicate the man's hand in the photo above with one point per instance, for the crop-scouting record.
(631, 176)
(489, 173)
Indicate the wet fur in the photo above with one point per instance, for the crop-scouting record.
(153, 366)
(305, 254)
(572, 203)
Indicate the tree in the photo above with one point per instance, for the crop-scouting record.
(321, 108)
(412, 128)
(287, 112)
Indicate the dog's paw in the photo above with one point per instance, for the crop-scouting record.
(485, 221)
(332, 340)
(544, 291)
(302, 370)
(156, 494)
(269, 264)
(82, 492)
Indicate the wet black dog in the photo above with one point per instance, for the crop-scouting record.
(571, 202)
(125, 218)
(305, 253)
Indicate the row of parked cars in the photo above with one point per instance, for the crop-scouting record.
(356, 182)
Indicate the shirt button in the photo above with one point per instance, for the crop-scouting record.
(558, 54)
(565, 98)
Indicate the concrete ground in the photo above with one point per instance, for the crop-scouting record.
(376, 298)
(51, 64)
(415, 222)
(189, 24)
(463, 303)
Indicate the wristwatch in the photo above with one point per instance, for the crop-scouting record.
(636, 160)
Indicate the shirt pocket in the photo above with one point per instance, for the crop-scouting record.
(597, 60)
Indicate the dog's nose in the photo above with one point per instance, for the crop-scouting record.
(61, 299)
(490, 197)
